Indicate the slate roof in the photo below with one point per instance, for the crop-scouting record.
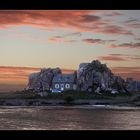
(64, 78)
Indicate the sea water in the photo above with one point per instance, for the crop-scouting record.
(69, 118)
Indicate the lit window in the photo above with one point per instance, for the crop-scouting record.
(56, 85)
(62, 85)
(67, 85)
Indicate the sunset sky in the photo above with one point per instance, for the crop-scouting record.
(30, 40)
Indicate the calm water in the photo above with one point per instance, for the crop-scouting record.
(28, 118)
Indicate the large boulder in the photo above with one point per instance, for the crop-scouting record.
(42, 80)
(98, 78)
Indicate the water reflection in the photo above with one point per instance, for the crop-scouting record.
(41, 118)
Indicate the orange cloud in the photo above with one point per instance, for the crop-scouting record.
(56, 39)
(11, 87)
(112, 58)
(17, 70)
(125, 72)
(67, 71)
(126, 69)
(81, 21)
(15, 75)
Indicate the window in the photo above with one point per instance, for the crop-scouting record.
(67, 85)
(62, 87)
(56, 85)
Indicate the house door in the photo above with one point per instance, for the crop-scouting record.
(62, 87)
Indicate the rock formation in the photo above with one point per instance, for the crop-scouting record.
(98, 77)
(132, 85)
(42, 80)
(91, 77)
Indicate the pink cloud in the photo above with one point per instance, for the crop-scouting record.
(134, 25)
(115, 29)
(113, 13)
(125, 45)
(94, 41)
(119, 57)
(80, 21)
(55, 39)
(60, 39)
(112, 58)
(138, 38)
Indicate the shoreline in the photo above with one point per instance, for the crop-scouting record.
(87, 107)
(71, 99)
(60, 102)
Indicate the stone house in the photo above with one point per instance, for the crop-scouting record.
(63, 82)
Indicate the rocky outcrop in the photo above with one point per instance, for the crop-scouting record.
(98, 77)
(92, 77)
(42, 80)
(132, 85)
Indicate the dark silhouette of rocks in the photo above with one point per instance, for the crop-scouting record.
(98, 77)
(93, 77)
(132, 85)
(42, 80)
